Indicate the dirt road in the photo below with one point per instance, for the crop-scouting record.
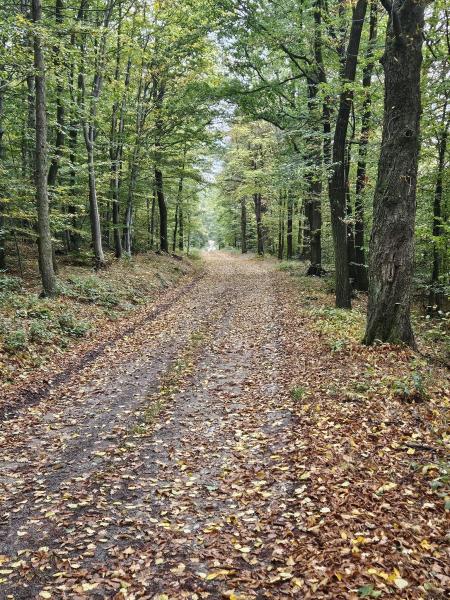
(155, 469)
(227, 448)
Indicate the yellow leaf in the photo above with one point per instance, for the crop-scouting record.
(245, 549)
(87, 587)
(45, 594)
(220, 573)
(426, 545)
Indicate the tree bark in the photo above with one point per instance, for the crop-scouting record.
(392, 239)
(128, 225)
(116, 144)
(436, 295)
(337, 179)
(2, 206)
(280, 253)
(181, 233)
(158, 96)
(361, 280)
(59, 142)
(289, 216)
(89, 130)
(43, 224)
(152, 219)
(259, 226)
(162, 207)
(243, 225)
(179, 202)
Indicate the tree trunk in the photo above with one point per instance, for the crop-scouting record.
(361, 281)
(89, 137)
(436, 295)
(94, 215)
(59, 142)
(280, 253)
(2, 205)
(162, 207)
(181, 233)
(152, 220)
(178, 203)
(243, 225)
(128, 225)
(116, 144)
(337, 179)
(43, 225)
(392, 239)
(289, 241)
(259, 226)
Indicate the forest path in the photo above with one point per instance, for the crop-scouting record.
(165, 469)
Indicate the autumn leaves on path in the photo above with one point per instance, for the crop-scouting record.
(183, 463)
(156, 470)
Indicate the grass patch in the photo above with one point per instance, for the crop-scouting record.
(298, 393)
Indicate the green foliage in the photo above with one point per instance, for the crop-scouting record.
(368, 591)
(39, 332)
(92, 290)
(298, 393)
(72, 326)
(9, 283)
(411, 389)
(15, 341)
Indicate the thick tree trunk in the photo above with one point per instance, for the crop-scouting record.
(392, 239)
(243, 225)
(259, 226)
(361, 280)
(43, 224)
(337, 179)
(162, 207)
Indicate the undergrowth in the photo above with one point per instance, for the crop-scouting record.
(32, 327)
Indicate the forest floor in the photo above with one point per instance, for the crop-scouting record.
(239, 443)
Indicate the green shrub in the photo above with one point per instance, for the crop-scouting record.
(92, 290)
(8, 283)
(411, 389)
(39, 332)
(298, 393)
(71, 326)
(16, 341)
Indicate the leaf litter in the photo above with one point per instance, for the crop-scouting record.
(179, 464)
